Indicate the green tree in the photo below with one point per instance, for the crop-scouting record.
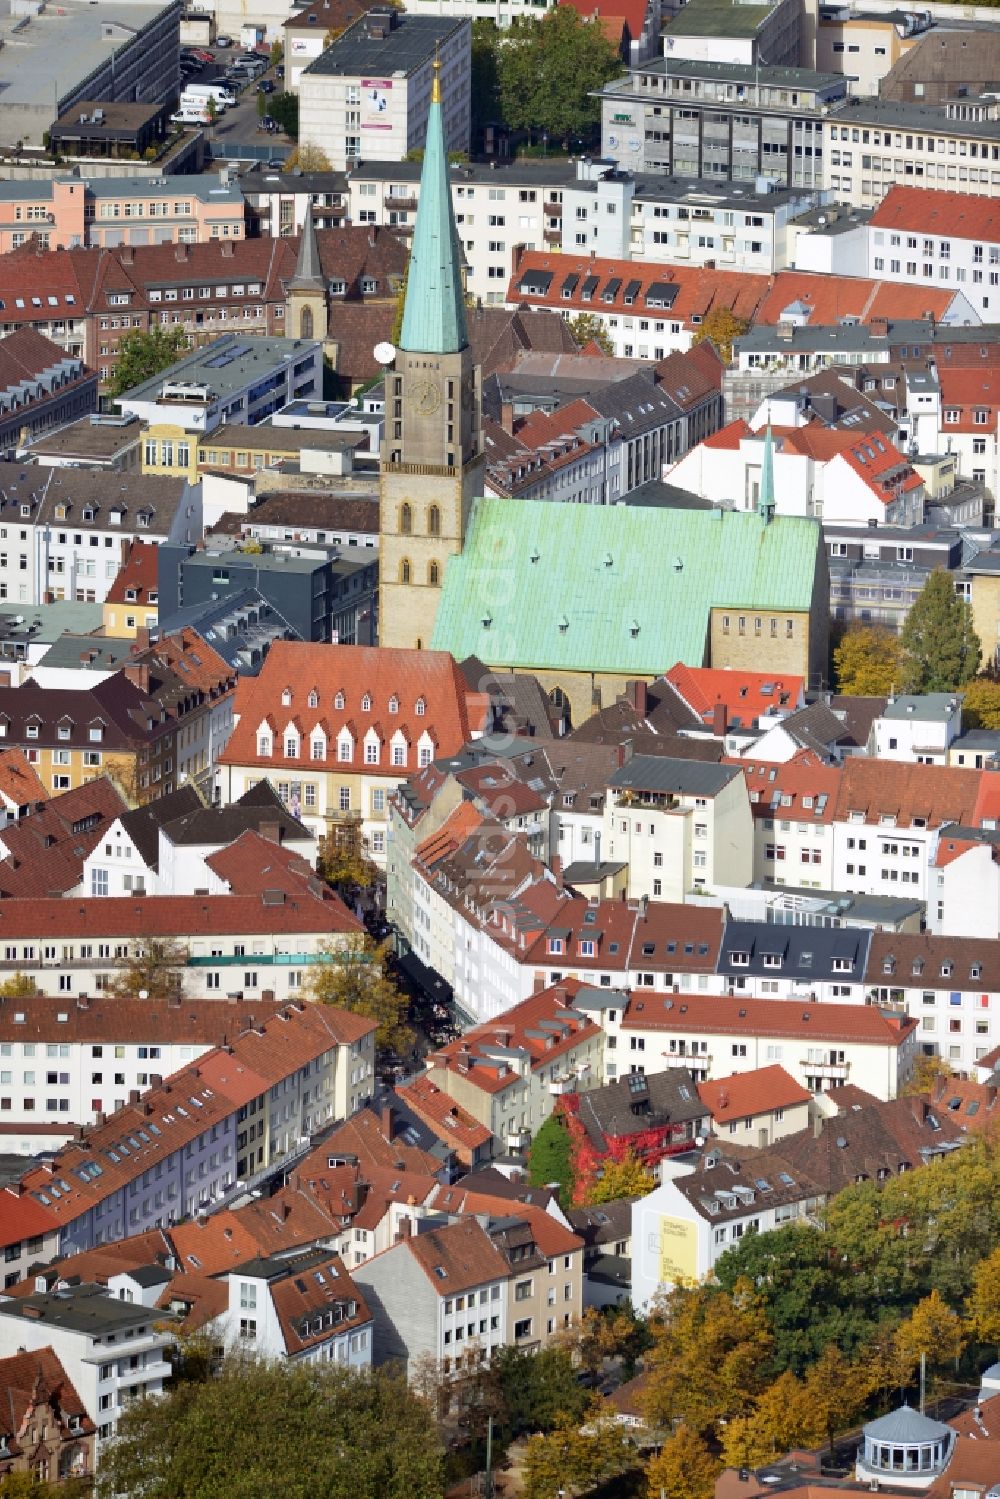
(211, 111)
(285, 109)
(625, 1178)
(981, 704)
(277, 53)
(932, 1331)
(154, 969)
(588, 328)
(866, 661)
(26, 1486)
(534, 1392)
(550, 1158)
(940, 648)
(836, 1392)
(18, 986)
(261, 106)
(142, 355)
(356, 977)
(300, 1430)
(572, 1459)
(982, 1309)
(343, 857)
(721, 326)
(547, 70)
(684, 1468)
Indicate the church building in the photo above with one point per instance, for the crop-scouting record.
(432, 455)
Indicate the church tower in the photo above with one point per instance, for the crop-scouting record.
(305, 302)
(432, 452)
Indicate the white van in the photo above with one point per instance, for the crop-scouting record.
(217, 91)
(192, 113)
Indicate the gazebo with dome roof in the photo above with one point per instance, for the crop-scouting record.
(905, 1448)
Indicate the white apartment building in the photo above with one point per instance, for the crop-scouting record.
(64, 1063)
(965, 884)
(700, 1211)
(919, 729)
(679, 825)
(367, 96)
(617, 215)
(871, 146)
(948, 985)
(112, 1349)
(888, 821)
(820, 1045)
(65, 532)
(305, 1309)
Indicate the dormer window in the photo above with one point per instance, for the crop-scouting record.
(291, 746)
(318, 748)
(394, 704)
(947, 970)
(740, 959)
(371, 751)
(976, 971)
(264, 745)
(313, 699)
(366, 703)
(772, 960)
(61, 511)
(421, 707)
(286, 698)
(338, 701)
(31, 731)
(345, 749)
(95, 733)
(555, 945)
(63, 731)
(89, 513)
(26, 511)
(588, 947)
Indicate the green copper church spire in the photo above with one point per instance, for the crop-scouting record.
(434, 307)
(765, 501)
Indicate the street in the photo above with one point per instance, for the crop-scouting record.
(240, 121)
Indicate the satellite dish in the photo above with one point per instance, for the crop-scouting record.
(384, 352)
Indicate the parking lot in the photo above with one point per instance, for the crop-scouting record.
(240, 120)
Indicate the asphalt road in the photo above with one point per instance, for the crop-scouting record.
(239, 121)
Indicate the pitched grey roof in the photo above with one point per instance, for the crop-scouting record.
(143, 824)
(308, 271)
(907, 1425)
(682, 777)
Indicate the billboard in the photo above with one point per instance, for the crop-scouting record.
(375, 94)
(678, 1250)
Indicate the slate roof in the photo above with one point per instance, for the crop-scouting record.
(143, 824)
(585, 587)
(143, 502)
(257, 807)
(803, 954)
(658, 773)
(610, 1112)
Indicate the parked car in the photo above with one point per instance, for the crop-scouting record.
(202, 55)
(224, 41)
(274, 164)
(279, 71)
(266, 123)
(265, 86)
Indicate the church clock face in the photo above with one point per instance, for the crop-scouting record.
(426, 397)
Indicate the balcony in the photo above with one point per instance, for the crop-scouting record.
(552, 236)
(564, 1084)
(699, 1062)
(517, 1139)
(405, 205)
(835, 1071)
(554, 210)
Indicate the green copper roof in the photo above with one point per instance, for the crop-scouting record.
(434, 309)
(614, 588)
(765, 502)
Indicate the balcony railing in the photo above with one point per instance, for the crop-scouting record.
(838, 1070)
(405, 205)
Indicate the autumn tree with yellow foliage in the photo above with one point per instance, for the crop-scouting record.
(933, 1331)
(684, 1468)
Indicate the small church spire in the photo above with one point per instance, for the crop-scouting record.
(765, 500)
(308, 271)
(434, 307)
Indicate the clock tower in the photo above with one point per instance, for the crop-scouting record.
(432, 460)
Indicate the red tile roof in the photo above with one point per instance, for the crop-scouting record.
(365, 1135)
(431, 698)
(758, 299)
(21, 1217)
(458, 1257)
(137, 576)
(966, 393)
(931, 211)
(632, 12)
(729, 1014)
(305, 1298)
(48, 1018)
(37, 1377)
(810, 784)
(742, 692)
(452, 833)
(448, 1119)
(929, 794)
(19, 782)
(729, 437)
(746, 1094)
(45, 852)
(179, 916)
(527, 1027)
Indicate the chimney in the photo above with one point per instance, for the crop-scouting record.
(34, 1312)
(181, 252)
(155, 1079)
(173, 1001)
(83, 1002)
(720, 720)
(16, 1189)
(141, 640)
(267, 996)
(138, 674)
(388, 1121)
(878, 327)
(133, 1095)
(561, 997)
(556, 865)
(294, 1180)
(625, 752)
(637, 697)
(126, 255)
(99, 1117)
(405, 1230)
(507, 416)
(271, 831)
